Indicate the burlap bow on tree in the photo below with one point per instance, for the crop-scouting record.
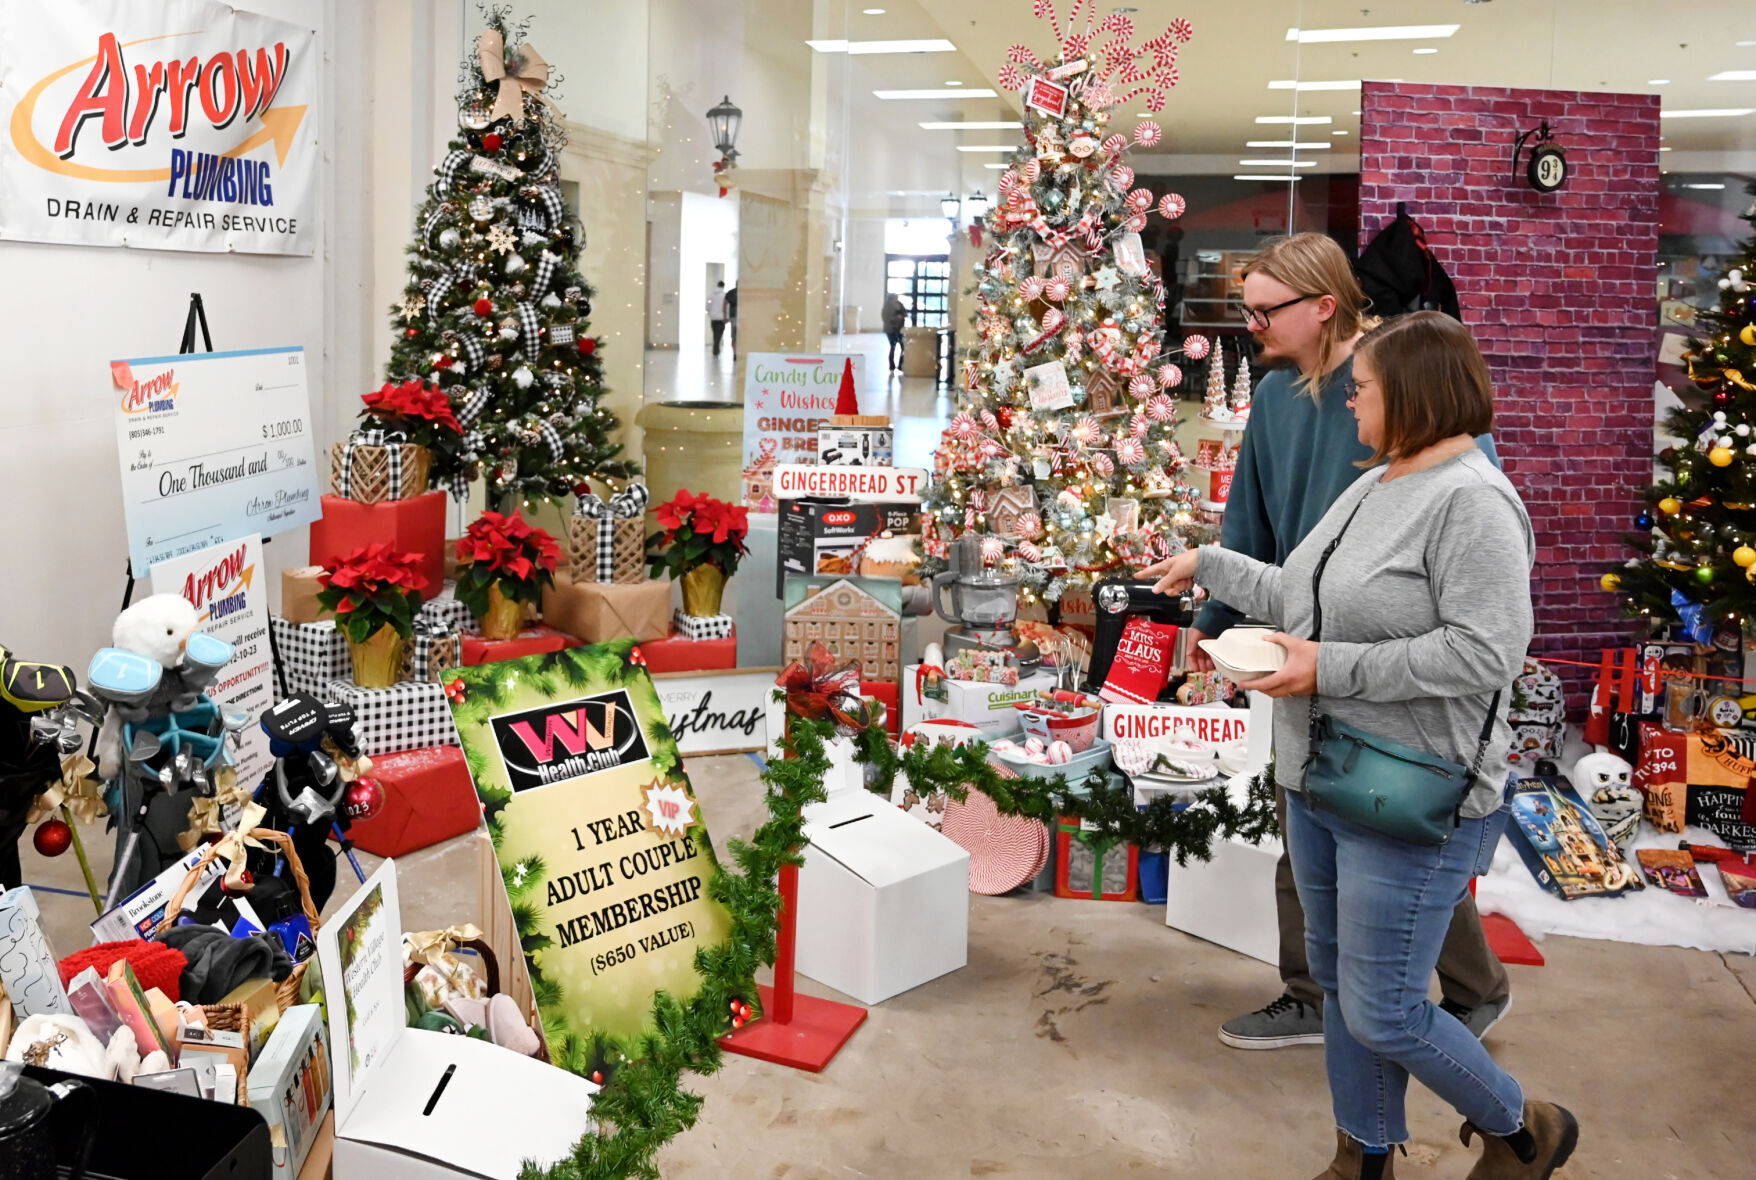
(206, 813)
(234, 847)
(528, 74)
(76, 790)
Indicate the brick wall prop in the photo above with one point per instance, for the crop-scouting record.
(1558, 290)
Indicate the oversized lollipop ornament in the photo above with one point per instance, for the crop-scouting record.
(162, 733)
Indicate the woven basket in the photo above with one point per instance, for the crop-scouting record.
(287, 991)
(628, 549)
(369, 480)
(491, 964)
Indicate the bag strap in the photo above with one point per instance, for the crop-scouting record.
(1487, 735)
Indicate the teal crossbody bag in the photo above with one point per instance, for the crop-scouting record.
(1393, 789)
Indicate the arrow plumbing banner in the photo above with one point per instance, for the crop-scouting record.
(167, 125)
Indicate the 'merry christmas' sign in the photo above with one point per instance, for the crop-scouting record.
(598, 834)
(177, 125)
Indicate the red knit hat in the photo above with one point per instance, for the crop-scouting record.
(154, 964)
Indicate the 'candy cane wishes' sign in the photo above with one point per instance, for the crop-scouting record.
(175, 125)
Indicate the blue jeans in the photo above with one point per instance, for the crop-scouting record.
(1376, 912)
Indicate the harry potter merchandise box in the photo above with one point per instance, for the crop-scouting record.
(1701, 779)
(1562, 844)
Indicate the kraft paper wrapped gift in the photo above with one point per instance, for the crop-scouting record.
(27, 961)
(407, 526)
(402, 717)
(598, 612)
(428, 797)
(298, 595)
(313, 654)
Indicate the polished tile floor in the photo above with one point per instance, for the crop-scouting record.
(1079, 1042)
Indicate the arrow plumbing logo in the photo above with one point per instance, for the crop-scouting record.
(218, 590)
(151, 396)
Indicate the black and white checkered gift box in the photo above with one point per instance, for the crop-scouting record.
(406, 716)
(443, 609)
(312, 653)
(703, 626)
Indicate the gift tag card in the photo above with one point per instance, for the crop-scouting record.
(1049, 388)
(1130, 254)
(1046, 96)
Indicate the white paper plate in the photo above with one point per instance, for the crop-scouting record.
(1244, 653)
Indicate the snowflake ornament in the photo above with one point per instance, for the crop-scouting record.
(502, 238)
(412, 306)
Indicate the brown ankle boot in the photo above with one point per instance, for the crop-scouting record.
(1553, 1133)
(1353, 1164)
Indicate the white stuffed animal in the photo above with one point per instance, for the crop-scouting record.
(60, 1041)
(157, 627)
(1606, 783)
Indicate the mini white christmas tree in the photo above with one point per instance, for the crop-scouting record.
(1214, 405)
(1241, 386)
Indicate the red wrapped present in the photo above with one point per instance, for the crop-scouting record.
(676, 653)
(407, 526)
(427, 797)
(885, 691)
(534, 640)
(1099, 868)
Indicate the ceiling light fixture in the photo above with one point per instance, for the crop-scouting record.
(856, 48)
(1709, 113)
(996, 167)
(1372, 33)
(1278, 163)
(987, 147)
(952, 82)
(1706, 186)
(1252, 176)
(906, 95)
(1295, 120)
(1338, 133)
(1292, 84)
(976, 126)
(1296, 145)
(872, 11)
(1733, 76)
(1428, 49)
(1658, 81)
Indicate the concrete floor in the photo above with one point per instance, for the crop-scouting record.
(1080, 1042)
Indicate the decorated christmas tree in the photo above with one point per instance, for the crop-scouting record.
(1697, 557)
(1066, 418)
(495, 312)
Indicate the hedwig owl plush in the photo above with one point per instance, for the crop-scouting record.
(1606, 783)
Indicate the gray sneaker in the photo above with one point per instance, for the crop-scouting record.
(1482, 1017)
(1284, 1022)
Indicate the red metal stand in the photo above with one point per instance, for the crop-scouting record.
(801, 1031)
(1506, 940)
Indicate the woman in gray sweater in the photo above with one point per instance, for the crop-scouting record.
(1425, 617)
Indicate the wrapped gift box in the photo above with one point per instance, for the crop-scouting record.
(677, 653)
(601, 611)
(428, 797)
(407, 526)
(433, 648)
(298, 595)
(401, 717)
(376, 465)
(702, 626)
(621, 542)
(312, 654)
(887, 692)
(444, 608)
(1100, 868)
(532, 641)
(27, 961)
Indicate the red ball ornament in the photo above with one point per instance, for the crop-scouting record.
(1722, 399)
(491, 142)
(587, 346)
(483, 306)
(52, 837)
(597, 1077)
(411, 333)
(365, 798)
(245, 884)
(443, 362)
(581, 488)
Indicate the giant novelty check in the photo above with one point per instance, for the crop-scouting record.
(213, 447)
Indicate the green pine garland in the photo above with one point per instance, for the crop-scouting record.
(643, 1105)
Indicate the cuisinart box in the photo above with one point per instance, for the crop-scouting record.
(820, 537)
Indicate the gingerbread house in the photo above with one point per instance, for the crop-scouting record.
(1007, 505)
(759, 481)
(1103, 394)
(855, 618)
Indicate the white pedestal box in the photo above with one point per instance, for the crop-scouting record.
(883, 899)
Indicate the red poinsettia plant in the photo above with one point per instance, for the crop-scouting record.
(373, 587)
(698, 530)
(508, 551)
(422, 412)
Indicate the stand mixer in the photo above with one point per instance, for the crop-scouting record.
(984, 604)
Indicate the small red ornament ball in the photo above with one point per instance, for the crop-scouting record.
(1722, 399)
(411, 333)
(581, 488)
(443, 362)
(587, 346)
(365, 798)
(597, 1077)
(52, 837)
(245, 884)
(483, 306)
(491, 142)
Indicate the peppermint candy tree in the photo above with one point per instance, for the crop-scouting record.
(495, 312)
(1062, 449)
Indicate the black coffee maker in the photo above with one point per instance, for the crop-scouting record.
(1119, 599)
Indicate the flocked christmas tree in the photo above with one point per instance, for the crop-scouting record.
(495, 312)
(1697, 561)
(1062, 449)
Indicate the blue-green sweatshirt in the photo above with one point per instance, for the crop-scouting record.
(1298, 455)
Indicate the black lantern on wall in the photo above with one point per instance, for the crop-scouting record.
(724, 119)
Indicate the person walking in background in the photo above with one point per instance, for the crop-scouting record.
(716, 313)
(732, 316)
(1304, 309)
(1405, 614)
(895, 315)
